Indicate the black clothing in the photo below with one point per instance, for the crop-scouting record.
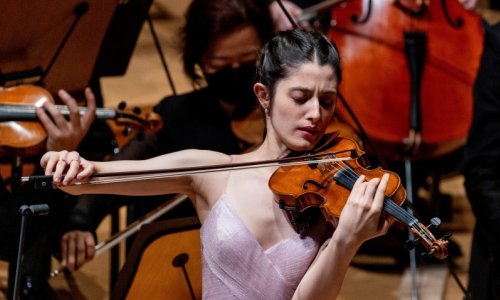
(195, 121)
(42, 232)
(482, 172)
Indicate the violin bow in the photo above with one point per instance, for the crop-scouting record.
(45, 181)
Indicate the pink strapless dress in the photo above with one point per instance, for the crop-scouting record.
(236, 267)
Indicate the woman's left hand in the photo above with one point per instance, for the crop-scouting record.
(361, 218)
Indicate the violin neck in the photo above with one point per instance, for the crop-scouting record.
(27, 112)
(347, 177)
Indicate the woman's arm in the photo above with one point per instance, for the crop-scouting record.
(78, 169)
(360, 220)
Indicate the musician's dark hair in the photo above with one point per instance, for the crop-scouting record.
(207, 20)
(289, 49)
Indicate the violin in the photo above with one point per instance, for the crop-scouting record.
(327, 185)
(22, 134)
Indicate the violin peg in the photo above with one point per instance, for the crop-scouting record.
(410, 244)
(122, 105)
(137, 110)
(435, 222)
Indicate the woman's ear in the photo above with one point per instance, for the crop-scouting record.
(262, 94)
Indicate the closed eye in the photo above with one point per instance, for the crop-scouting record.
(300, 96)
(328, 99)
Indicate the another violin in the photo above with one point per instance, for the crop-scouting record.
(23, 135)
(327, 185)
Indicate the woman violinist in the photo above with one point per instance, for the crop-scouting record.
(250, 250)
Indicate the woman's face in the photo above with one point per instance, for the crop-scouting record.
(303, 105)
(240, 47)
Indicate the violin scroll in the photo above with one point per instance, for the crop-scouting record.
(435, 247)
(151, 122)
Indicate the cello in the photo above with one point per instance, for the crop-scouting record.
(374, 37)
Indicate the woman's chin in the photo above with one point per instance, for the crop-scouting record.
(302, 146)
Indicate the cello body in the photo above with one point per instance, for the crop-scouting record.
(378, 84)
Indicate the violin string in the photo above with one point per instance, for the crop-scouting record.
(29, 110)
(390, 205)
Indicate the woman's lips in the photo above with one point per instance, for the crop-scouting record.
(309, 131)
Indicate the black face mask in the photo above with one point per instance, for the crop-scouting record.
(235, 86)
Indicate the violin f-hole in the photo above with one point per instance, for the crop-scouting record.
(316, 184)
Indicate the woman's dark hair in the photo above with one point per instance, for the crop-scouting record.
(207, 20)
(289, 49)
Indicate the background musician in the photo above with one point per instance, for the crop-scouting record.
(481, 171)
(62, 133)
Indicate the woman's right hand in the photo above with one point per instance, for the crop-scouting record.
(69, 164)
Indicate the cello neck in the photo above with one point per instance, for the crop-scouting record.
(27, 112)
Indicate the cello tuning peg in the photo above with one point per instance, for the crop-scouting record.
(122, 105)
(435, 222)
(137, 110)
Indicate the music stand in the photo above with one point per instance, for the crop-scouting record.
(25, 211)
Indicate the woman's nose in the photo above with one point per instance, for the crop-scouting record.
(314, 110)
